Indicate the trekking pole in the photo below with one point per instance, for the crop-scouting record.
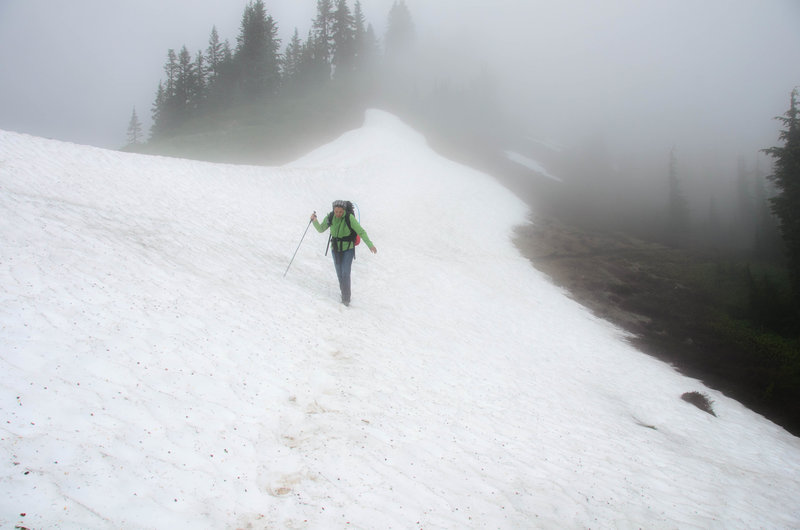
(298, 247)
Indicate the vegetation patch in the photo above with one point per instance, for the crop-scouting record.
(699, 400)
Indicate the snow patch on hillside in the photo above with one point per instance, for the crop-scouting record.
(157, 369)
(530, 164)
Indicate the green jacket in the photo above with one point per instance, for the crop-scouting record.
(339, 228)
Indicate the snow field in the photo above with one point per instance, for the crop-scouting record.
(159, 371)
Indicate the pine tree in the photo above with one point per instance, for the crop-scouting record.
(399, 31)
(171, 69)
(185, 85)
(365, 44)
(678, 215)
(257, 52)
(323, 36)
(227, 53)
(370, 49)
(400, 66)
(135, 136)
(786, 177)
(214, 56)
(158, 112)
(344, 36)
(767, 237)
(221, 88)
(199, 91)
(314, 67)
(165, 109)
(292, 60)
(360, 28)
(745, 214)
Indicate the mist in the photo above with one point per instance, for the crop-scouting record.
(617, 85)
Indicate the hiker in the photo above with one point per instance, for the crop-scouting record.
(345, 231)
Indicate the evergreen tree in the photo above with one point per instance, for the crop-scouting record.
(257, 50)
(400, 66)
(370, 49)
(786, 177)
(185, 85)
(199, 86)
(219, 72)
(767, 237)
(344, 36)
(171, 69)
(745, 214)
(227, 53)
(166, 110)
(158, 112)
(292, 60)
(365, 45)
(314, 67)
(222, 90)
(135, 136)
(399, 31)
(678, 215)
(359, 27)
(323, 29)
(214, 56)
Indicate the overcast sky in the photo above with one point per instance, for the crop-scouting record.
(655, 72)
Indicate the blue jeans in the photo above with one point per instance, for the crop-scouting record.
(343, 262)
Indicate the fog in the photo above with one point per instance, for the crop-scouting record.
(641, 78)
(645, 75)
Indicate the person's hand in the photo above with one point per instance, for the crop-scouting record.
(314, 216)
(373, 250)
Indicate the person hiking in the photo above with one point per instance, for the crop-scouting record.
(344, 230)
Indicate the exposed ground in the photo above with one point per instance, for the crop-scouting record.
(611, 274)
(638, 286)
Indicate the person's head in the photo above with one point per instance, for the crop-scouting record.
(338, 208)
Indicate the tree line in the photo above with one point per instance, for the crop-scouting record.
(786, 178)
(340, 45)
(764, 227)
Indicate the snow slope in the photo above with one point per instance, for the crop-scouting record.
(158, 371)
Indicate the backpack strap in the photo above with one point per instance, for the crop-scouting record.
(337, 241)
